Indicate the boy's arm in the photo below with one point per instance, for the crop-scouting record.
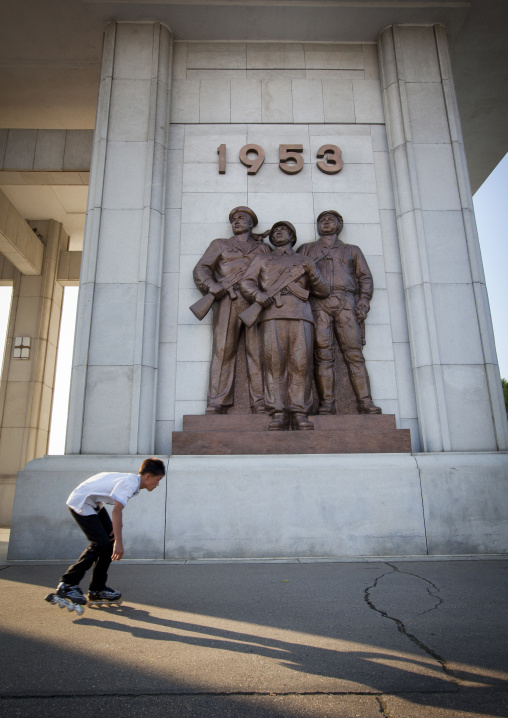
(117, 531)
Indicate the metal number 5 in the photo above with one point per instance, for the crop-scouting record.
(290, 153)
(255, 163)
(333, 161)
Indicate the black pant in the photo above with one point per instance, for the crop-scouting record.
(97, 528)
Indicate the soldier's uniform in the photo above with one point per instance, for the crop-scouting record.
(222, 259)
(345, 268)
(287, 330)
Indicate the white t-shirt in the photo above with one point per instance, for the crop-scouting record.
(103, 488)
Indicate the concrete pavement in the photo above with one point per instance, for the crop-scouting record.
(396, 638)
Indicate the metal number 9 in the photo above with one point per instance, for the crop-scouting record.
(255, 163)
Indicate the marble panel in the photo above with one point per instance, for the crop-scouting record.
(129, 111)
(216, 75)
(405, 382)
(427, 387)
(119, 246)
(271, 177)
(261, 56)
(112, 335)
(204, 177)
(203, 147)
(485, 323)
(354, 207)
(336, 514)
(379, 313)
(216, 55)
(338, 100)
(49, 150)
(445, 241)
(382, 380)
(334, 75)
(418, 326)
(469, 411)
(215, 101)
(194, 343)
(379, 139)
(206, 207)
(437, 178)
(192, 380)
(276, 101)
(333, 56)
(20, 398)
(187, 264)
(378, 345)
(179, 61)
(3, 145)
(174, 169)
(356, 149)
(184, 408)
(377, 267)
(457, 324)
(176, 137)
(352, 178)
(368, 101)
(414, 428)
(365, 236)
(166, 382)
(465, 502)
(384, 180)
(169, 308)
(125, 175)
(163, 433)
(106, 425)
(390, 238)
(172, 230)
(20, 150)
(412, 254)
(398, 317)
(185, 101)
(341, 130)
(395, 129)
(371, 62)
(269, 137)
(245, 100)
(276, 74)
(12, 442)
(419, 53)
(307, 101)
(296, 206)
(187, 297)
(134, 51)
(427, 113)
(195, 236)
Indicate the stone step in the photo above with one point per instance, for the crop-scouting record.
(259, 422)
(291, 442)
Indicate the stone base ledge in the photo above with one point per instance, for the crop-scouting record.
(278, 507)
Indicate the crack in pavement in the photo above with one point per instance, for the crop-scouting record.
(400, 624)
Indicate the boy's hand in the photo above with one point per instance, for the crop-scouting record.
(117, 551)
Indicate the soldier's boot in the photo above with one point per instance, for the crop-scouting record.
(279, 422)
(361, 386)
(326, 390)
(301, 422)
(258, 409)
(216, 409)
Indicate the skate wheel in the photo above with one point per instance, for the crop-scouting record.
(79, 610)
(71, 608)
(61, 605)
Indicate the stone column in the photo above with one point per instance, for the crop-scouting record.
(114, 378)
(27, 384)
(458, 388)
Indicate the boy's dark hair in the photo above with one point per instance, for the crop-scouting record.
(153, 466)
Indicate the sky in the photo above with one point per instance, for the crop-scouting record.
(489, 203)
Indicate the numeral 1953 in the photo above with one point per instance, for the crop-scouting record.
(290, 158)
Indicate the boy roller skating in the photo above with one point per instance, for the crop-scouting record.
(86, 504)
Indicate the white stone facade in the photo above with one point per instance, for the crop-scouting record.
(157, 200)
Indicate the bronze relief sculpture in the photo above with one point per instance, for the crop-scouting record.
(293, 308)
(341, 316)
(279, 284)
